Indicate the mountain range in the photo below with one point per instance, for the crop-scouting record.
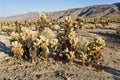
(106, 10)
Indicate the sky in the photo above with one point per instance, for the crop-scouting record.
(16, 7)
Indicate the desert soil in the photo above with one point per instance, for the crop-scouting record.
(12, 69)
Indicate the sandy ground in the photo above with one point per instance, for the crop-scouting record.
(10, 69)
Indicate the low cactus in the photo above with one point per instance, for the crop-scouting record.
(90, 52)
(15, 36)
(69, 55)
(71, 35)
(43, 17)
(54, 44)
(74, 43)
(45, 50)
(94, 48)
(17, 50)
(84, 58)
(42, 43)
(68, 24)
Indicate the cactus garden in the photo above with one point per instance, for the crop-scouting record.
(60, 49)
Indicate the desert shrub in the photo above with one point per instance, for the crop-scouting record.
(48, 33)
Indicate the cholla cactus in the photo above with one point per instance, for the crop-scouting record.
(74, 43)
(69, 55)
(68, 24)
(61, 37)
(42, 37)
(42, 22)
(27, 35)
(4, 28)
(91, 51)
(95, 45)
(71, 34)
(17, 49)
(54, 44)
(83, 58)
(42, 43)
(37, 43)
(45, 50)
(94, 48)
(40, 40)
(80, 23)
(15, 36)
(26, 40)
(43, 17)
(68, 20)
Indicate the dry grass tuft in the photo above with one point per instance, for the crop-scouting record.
(48, 33)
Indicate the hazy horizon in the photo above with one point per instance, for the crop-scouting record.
(17, 7)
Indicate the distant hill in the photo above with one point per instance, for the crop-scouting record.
(109, 10)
